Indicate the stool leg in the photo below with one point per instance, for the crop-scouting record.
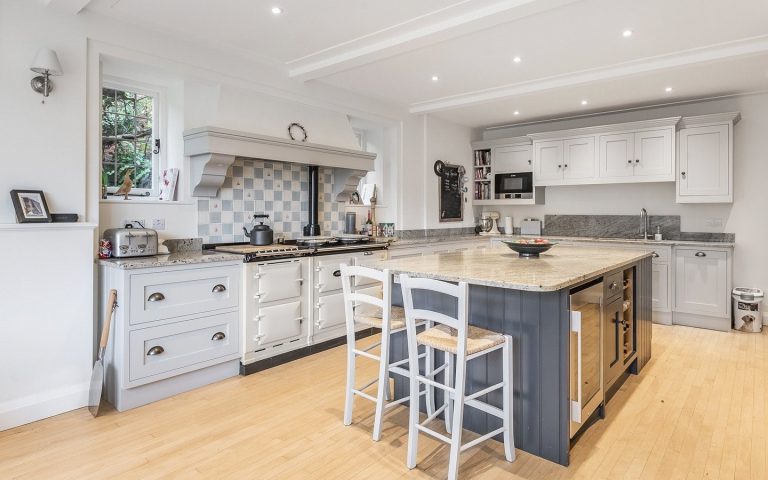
(429, 367)
(413, 419)
(507, 392)
(382, 386)
(447, 395)
(458, 418)
(350, 397)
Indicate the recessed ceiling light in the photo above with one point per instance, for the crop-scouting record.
(277, 10)
(626, 33)
(668, 89)
(584, 102)
(517, 59)
(435, 78)
(515, 113)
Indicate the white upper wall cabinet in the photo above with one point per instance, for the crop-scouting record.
(579, 159)
(625, 153)
(705, 159)
(512, 158)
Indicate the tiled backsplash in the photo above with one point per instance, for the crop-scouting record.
(276, 188)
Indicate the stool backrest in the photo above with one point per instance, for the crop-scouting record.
(458, 291)
(353, 299)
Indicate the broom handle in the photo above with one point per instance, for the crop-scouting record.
(108, 320)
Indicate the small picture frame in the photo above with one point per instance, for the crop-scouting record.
(30, 206)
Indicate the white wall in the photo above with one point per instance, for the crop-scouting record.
(56, 147)
(744, 217)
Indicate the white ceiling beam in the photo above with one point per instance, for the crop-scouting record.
(70, 6)
(461, 18)
(712, 53)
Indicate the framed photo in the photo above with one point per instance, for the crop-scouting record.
(30, 206)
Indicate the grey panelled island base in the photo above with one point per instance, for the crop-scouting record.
(529, 300)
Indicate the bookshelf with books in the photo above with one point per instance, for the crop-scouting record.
(482, 175)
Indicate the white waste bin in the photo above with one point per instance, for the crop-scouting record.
(747, 316)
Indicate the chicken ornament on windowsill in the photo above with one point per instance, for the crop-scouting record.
(127, 185)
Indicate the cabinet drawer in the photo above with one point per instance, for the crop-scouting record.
(661, 255)
(157, 296)
(163, 349)
(614, 285)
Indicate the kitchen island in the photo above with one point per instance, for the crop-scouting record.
(529, 299)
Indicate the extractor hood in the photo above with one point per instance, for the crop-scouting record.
(211, 151)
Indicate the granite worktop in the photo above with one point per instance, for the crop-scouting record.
(174, 259)
(560, 267)
(633, 241)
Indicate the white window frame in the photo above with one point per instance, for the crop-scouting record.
(158, 127)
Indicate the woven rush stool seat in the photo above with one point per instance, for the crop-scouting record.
(446, 339)
(373, 317)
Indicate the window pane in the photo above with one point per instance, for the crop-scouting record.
(127, 138)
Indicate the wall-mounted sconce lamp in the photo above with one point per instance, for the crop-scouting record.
(46, 63)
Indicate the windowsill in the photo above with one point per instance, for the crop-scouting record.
(143, 201)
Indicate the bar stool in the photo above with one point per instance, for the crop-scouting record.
(456, 338)
(378, 312)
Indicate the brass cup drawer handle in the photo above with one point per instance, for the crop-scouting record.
(655, 255)
(700, 254)
(218, 336)
(156, 297)
(156, 350)
(219, 288)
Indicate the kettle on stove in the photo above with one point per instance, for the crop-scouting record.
(260, 234)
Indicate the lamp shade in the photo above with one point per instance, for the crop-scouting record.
(46, 61)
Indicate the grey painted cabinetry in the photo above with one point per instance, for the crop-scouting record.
(176, 328)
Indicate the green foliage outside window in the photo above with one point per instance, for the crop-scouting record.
(126, 137)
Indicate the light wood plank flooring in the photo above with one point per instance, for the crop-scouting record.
(697, 411)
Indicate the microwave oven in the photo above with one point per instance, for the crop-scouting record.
(513, 185)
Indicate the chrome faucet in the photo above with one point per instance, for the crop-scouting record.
(644, 223)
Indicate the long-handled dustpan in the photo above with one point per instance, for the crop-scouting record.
(97, 376)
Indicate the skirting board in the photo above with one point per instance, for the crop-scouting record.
(37, 407)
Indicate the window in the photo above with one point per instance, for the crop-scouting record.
(130, 138)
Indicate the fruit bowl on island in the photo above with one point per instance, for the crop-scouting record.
(529, 247)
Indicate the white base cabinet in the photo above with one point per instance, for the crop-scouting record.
(702, 281)
(176, 328)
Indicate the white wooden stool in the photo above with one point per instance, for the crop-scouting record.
(377, 311)
(456, 338)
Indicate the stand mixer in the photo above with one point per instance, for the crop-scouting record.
(490, 223)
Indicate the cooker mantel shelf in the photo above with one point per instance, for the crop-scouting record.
(212, 150)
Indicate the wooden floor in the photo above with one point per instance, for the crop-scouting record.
(697, 411)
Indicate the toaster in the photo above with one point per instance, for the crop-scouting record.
(132, 242)
(530, 226)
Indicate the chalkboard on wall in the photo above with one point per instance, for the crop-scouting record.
(451, 178)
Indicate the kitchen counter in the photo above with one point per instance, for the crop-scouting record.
(498, 266)
(633, 241)
(187, 258)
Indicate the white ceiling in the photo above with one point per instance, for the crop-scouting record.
(570, 49)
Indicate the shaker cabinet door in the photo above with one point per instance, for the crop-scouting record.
(512, 158)
(654, 154)
(579, 159)
(548, 163)
(701, 278)
(704, 162)
(616, 155)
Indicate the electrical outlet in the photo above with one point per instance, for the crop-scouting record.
(715, 222)
(158, 223)
(135, 223)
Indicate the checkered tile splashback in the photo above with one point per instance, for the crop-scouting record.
(276, 188)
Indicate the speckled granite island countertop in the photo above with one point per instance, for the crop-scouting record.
(556, 269)
(174, 259)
